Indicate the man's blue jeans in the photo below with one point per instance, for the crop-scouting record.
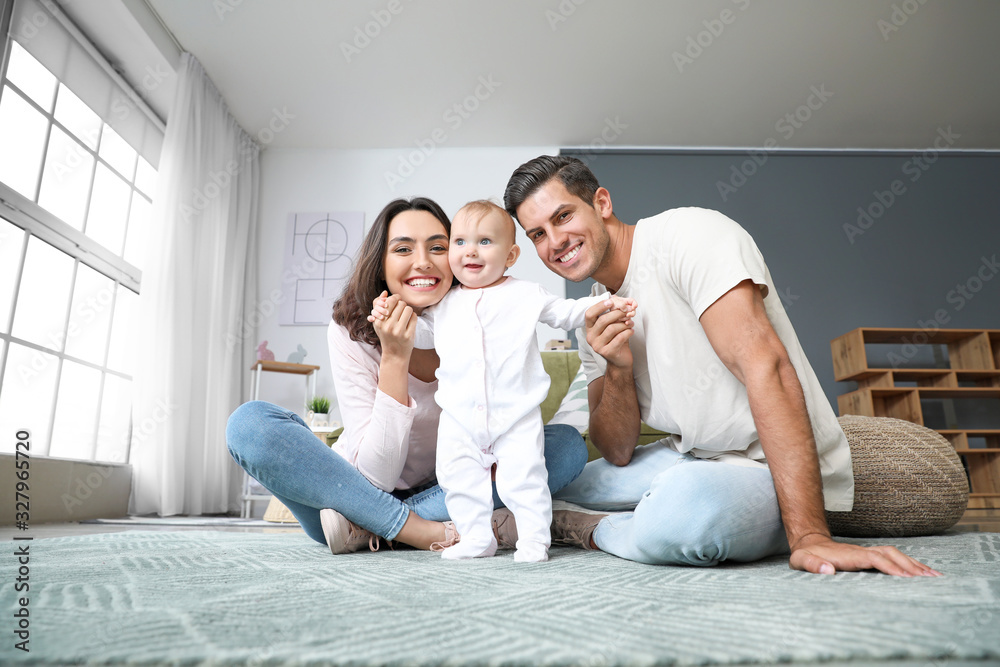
(277, 449)
(681, 510)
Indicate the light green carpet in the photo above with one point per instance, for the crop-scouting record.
(232, 598)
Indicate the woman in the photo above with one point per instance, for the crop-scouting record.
(378, 480)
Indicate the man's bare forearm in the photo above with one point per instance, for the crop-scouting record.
(779, 409)
(614, 421)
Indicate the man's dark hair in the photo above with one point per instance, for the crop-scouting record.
(532, 175)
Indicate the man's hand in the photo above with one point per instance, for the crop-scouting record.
(614, 408)
(820, 554)
(741, 334)
(608, 329)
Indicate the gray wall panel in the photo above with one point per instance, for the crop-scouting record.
(936, 235)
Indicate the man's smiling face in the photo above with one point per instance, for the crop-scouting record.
(568, 233)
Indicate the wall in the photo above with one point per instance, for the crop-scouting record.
(331, 180)
(921, 252)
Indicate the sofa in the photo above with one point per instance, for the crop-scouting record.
(908, 480)
(567, 402)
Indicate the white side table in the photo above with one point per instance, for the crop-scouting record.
(258, 368)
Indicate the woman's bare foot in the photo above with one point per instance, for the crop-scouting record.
(423, 534)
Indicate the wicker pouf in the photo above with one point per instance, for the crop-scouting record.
(277, 512)
(908, 480)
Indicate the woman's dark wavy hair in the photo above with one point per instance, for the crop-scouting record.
(367, 279)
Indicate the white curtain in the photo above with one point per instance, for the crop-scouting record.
(198, 290)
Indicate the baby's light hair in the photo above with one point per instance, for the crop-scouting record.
(480, 208)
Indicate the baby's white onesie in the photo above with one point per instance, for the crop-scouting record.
(491, 383)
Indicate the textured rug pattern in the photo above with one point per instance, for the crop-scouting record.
(230, 598)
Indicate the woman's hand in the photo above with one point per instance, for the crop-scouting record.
(397, 328)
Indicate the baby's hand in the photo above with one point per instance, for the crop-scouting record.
(380, 309)
(627, 305)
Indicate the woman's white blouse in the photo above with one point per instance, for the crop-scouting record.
(392, 445)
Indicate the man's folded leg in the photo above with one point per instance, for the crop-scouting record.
(699, 513)
(605, 486)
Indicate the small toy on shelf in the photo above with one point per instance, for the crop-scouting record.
(298, 356)
(264, 354)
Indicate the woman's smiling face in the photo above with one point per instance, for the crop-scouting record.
(416, 259)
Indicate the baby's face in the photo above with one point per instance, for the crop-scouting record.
(481, 249)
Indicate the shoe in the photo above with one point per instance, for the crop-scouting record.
(573, 525)
(343, 537)
(451, 537)
(504, 528)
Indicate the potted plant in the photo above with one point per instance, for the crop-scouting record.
(319, 411)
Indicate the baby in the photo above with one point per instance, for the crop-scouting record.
(491, 383)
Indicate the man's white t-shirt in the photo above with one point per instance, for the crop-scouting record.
(682, 261)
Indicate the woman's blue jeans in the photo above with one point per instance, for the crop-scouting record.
(277, 449)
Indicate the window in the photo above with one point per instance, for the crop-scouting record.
(77, 174)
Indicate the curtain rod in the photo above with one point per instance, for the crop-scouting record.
(166, 29)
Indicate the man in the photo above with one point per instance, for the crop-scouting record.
(710, 358)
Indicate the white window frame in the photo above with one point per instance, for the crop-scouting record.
(45, 226)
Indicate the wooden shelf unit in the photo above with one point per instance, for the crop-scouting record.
(974, 372)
